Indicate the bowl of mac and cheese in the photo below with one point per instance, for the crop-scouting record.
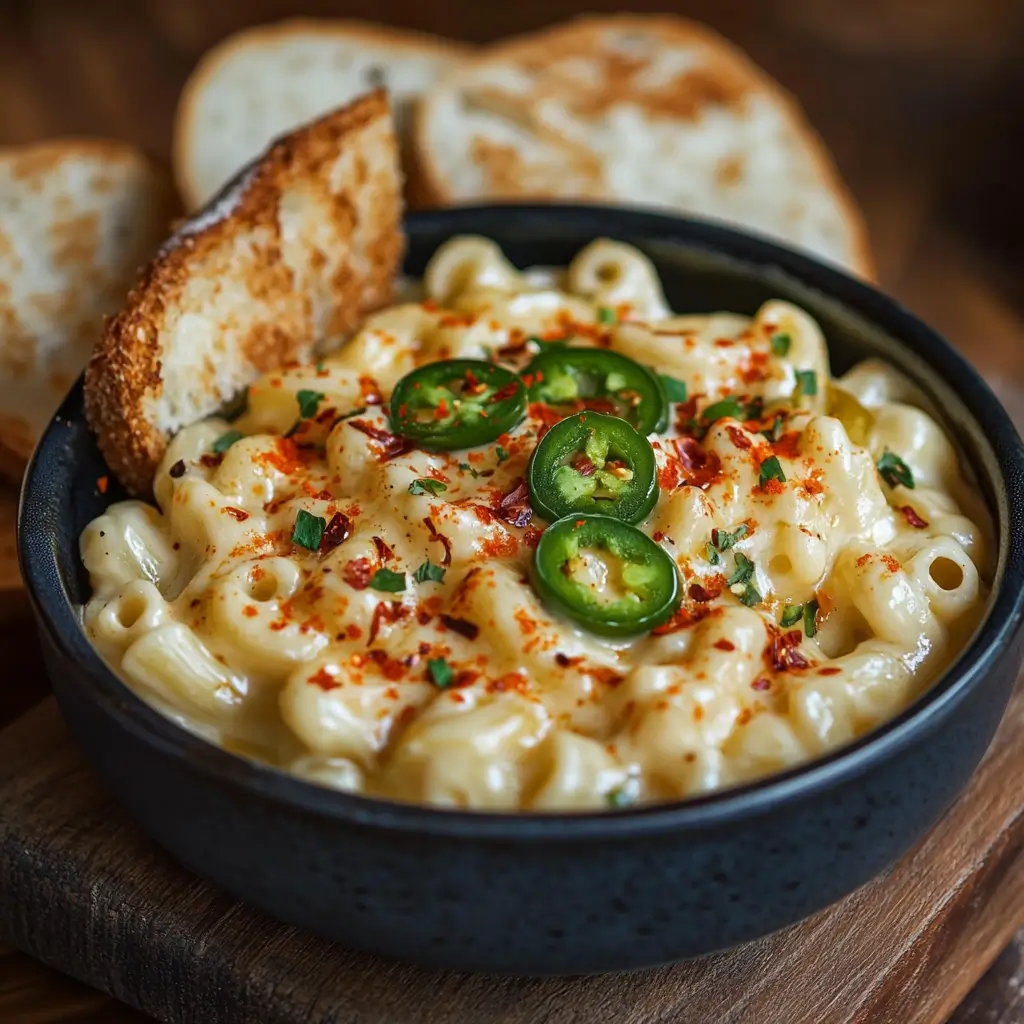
(629, 589)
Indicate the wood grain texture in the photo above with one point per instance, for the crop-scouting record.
(87, 893)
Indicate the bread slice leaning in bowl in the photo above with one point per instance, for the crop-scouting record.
(652, 110)
(266, 80)
(78, 217)
(282, 265)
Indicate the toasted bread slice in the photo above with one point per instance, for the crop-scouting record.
(280, 266)
(78, 217)
(267, 80)
(649, 110)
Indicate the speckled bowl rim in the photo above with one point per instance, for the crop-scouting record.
(252, 780)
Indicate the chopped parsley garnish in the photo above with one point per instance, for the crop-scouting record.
(780, 344)
(225, 441)
(750, 596)
(308, 530)
(320, 368)
(744, 570)
(309, 401)
(352, 412)
(427, 485)
(806, 382)
(723, 539)
(501, 453)
(713, 557)
(894, 470)
(774, 432)
(605, 315)
(467, 468)
(771, 470)
(811, 617)
(389, 581)
(727, 407)
(440, 672)
(428, 573)
(792, 614)
(625, 794)
(676, 390)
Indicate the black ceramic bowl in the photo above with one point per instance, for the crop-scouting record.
(564, 893)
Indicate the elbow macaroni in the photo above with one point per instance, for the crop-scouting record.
(461, 689)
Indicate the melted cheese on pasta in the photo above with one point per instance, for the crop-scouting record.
(208, 609)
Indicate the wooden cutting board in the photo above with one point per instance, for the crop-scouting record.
(83, 890)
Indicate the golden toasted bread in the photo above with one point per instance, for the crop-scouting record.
(656, 111)
(263, 81)
(78, 217)
(282, 265)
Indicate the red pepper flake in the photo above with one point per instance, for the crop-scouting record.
(338, 529)
(467, 629)
(782, 652)
(102, 483)
(390, 668)
(352, 631)
(699, 594)
(738, 438)
(863, 560)
(386, 612)
(813, 485)
(831, 670)
(514, 507)
(724, 645)
(686, 414)
(285, 457)
(754, 368)
(507, 391)
(457, 320)
(692, 464)
(236, 513)
(250, 612)
(390, 444)
(211, 460)
(761, 683)
(514, 681)
(177, 470)
(890, 563)
(532, 537)
(584, 466)
(429, 305)
(369, 389)
(384, 553)
(773, 486)
(788, 446)
(683, 619)
(358, 573)
(325, 680)
(445, 542)
(913, 518)
(441, 410)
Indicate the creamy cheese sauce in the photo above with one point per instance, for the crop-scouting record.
(831, 558)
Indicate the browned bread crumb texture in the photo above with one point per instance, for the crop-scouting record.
(280, 266)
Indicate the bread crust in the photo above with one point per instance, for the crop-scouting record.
(124, 383)
(214, 59)
(583, 32)
(76, 233)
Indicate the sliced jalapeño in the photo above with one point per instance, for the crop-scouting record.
(457, 403)
(605, 575)
(594, 378)
(594, 463)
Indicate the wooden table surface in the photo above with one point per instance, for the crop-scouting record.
(114, 69)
